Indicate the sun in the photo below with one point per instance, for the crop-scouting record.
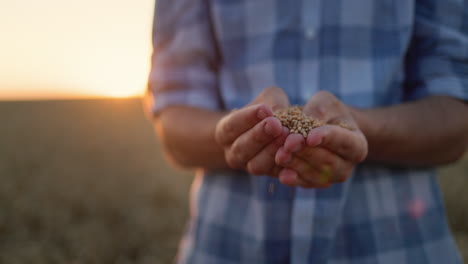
(116, 81)
(123, 93)
(87, 54)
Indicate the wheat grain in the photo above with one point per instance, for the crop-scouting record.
(297, 121)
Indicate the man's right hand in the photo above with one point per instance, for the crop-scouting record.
(251, 136)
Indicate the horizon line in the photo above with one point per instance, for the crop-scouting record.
(80, 98)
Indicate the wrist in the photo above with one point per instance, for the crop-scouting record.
(370, 128)
(361, 117)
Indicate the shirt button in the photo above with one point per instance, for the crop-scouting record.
(309, 33)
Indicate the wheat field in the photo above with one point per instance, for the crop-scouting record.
(84, 181)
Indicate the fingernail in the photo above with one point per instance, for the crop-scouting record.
(296, 182)
(315, 144)
(261, 114)
(270, 130)
(267, 129)
(294, 179)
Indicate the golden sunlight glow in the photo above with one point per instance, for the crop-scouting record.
(66, 49)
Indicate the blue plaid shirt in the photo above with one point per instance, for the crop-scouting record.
(220, 54)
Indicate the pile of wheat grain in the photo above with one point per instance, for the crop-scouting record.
(297, 121)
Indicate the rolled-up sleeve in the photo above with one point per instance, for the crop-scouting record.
(185, 59)
(437, 59)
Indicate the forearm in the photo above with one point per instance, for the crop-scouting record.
(187, 137)
(432, 131)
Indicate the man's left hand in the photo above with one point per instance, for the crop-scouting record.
(329, 153)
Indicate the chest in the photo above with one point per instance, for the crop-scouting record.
(353, 49)
(237, 19)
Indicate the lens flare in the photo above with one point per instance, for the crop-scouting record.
(416, 208)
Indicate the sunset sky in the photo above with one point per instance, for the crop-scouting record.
(68, 49)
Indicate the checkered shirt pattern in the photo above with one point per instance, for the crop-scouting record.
(220, 54)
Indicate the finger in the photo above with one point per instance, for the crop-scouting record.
(247, 145)
(264, 162)
(294, 142)
(297, 164)
(291, 178)
(288, 177)
(323, 106)
(318, 165)
(330, 167)
(350, 145)
(282, 156)
(308, 175)
(308, 185)
(239, 121)
(274, 97)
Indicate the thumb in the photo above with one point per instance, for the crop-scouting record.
(274, 97)
(322, 106)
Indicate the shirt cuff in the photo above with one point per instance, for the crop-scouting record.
(158, 101)
(449, 86)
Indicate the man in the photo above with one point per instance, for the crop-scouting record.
(396, 72)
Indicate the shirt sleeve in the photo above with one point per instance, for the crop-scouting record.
(437, 59)
(185, 58)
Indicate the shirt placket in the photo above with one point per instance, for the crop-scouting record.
(302, 225)
(309, 66)
(302, 222)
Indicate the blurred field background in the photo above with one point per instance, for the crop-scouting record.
(83, 181)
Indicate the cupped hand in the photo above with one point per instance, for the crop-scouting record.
(251, 136)
(329, 153)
